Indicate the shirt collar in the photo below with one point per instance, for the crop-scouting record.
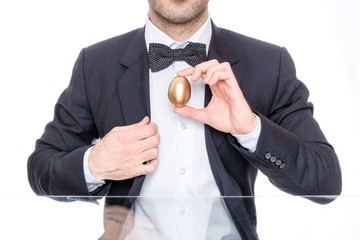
(155, 35)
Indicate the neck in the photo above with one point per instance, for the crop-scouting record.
(180, 32)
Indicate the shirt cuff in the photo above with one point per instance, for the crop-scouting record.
(249, 141)
(91, 182)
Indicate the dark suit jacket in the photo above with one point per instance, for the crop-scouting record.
(109, 87)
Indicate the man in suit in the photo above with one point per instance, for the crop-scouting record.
(247, 112)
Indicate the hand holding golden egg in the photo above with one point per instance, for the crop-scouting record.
(228, 111)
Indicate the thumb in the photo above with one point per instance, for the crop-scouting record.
(143, 122)
(192, 113)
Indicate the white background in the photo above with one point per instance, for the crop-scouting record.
(40, 41)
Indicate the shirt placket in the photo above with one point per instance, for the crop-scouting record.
(183, 156)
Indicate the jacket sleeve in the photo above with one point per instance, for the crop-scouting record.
(292, 150)
(56, 165)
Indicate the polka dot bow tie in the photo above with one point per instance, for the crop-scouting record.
(161, 56)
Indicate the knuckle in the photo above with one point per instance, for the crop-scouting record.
(226, 65)
(154, 127)
(197, 67)
(155, 152)
(152, 153)
(151, 129)
(156, 139)
(216, 75)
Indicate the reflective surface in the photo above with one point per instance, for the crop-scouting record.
(279, 217)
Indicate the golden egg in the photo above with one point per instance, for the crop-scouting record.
(179, 91)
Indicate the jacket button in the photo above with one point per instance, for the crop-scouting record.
(267, 156)
(278, 162)
(273, 159)
(282, 165)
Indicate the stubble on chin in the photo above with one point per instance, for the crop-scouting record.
(179, 21)
(180, 13)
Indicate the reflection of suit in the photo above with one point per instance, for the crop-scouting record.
(110, 87)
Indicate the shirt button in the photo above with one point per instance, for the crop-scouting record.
(273, 159)
(282, 165)
(182, 171)
(183, 126)
(182, 213)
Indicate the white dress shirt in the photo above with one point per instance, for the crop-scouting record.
(181, 195)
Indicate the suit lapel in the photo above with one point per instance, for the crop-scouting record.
(133, 89)
(133, 84)
(221, 50)
(219, 47)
